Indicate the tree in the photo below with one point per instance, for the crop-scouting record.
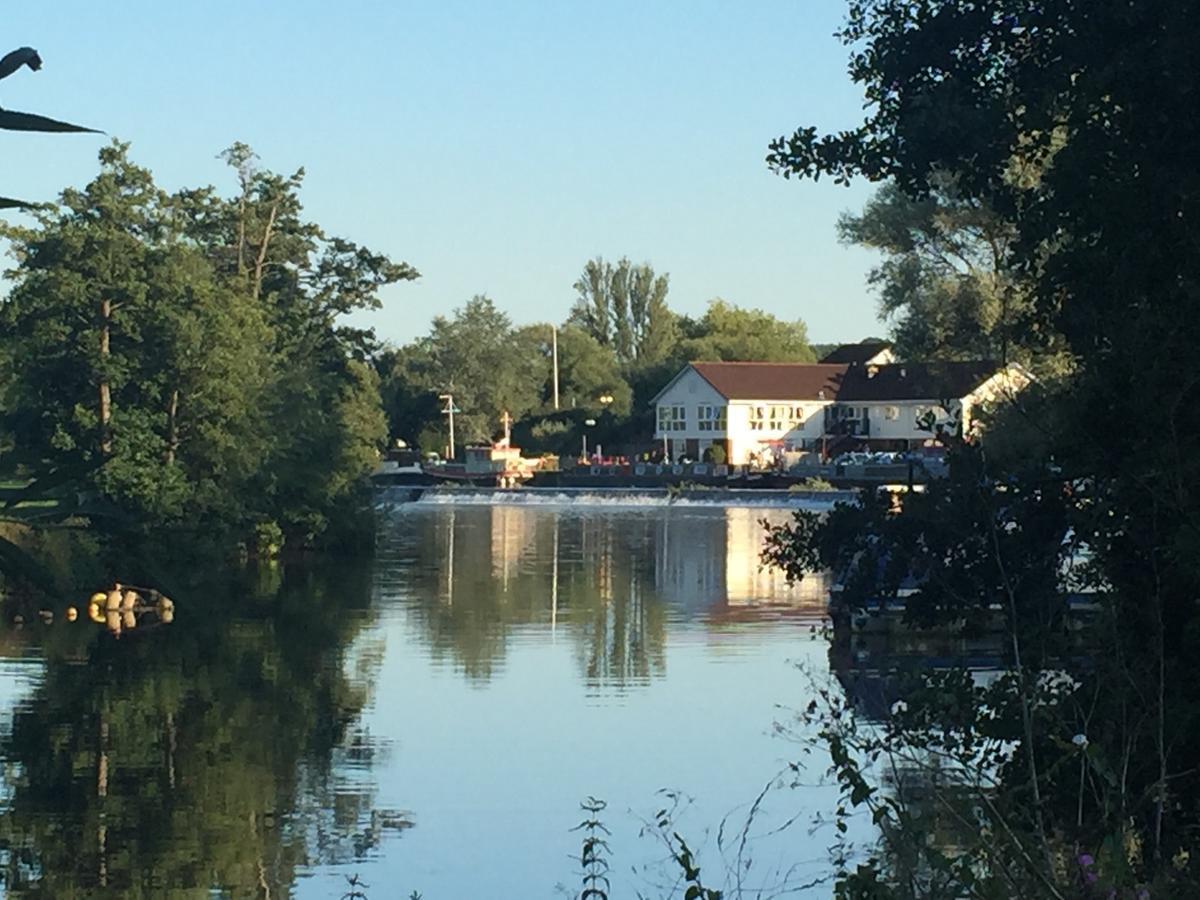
(477, 356)
(946, 282)
(185, 351)
(730, 333)
(625, 307)
(1044, 114)
(588, 371)
(131, 355)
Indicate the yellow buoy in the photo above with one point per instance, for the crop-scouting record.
(129, 620)
(99, 597)
(129, 600)
(167, 616)
(95, 613)
(72, 614)
(113, 599)
(165, 603)
(47, 615)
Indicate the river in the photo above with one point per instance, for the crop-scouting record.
(430, 719)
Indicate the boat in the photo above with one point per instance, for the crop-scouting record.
(498, 464)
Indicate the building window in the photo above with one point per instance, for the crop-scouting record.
(758, 418)
(672, 418)
(710, 418)
(891, 413)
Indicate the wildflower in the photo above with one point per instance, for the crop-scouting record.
(1081, 741)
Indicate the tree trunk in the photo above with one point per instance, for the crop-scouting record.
(105, 411)
(172, 427)
(241, 238)
(261, 260)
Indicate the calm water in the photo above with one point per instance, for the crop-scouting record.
(429, 720)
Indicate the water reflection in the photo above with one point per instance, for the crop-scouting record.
(611, 581)
(523, 659)
(177, 761)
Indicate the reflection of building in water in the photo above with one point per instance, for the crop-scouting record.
(714, 560)
(513, 535)
(750, 583)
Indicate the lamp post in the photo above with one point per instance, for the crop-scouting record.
(554, 360)
(605, 400)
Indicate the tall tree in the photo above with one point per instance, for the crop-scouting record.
(477, 356)
(1074, 122)
(625, 307)
(946, 283)
(128, 347)
(187, 350)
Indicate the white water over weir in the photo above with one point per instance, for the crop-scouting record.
(610, 497)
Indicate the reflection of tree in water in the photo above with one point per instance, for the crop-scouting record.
(191, 758)
(479, 572)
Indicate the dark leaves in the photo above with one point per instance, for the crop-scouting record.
(22, 56)
(11, 120)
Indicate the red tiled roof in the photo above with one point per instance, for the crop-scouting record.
(916, 381)
(845, 383)
(772, 381)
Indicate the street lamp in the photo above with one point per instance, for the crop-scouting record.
(605, 400)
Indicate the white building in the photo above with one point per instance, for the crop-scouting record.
(754, 409)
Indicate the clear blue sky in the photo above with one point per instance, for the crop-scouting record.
(494, 146)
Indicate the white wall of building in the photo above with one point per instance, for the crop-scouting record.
(751, 427)
(690, 391)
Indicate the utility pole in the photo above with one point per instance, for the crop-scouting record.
(449, 411)
(554, 358)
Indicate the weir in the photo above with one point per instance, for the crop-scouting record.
(611, 497)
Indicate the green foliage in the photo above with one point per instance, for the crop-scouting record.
(1041, 115)
(813, 483)
(594, 851)
(186, 350)
(625, 307)
(946, 281)
(478, 357)
(589, 370)
(730, 333)
(715, 454)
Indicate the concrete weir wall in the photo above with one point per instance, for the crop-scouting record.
(628, 496)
